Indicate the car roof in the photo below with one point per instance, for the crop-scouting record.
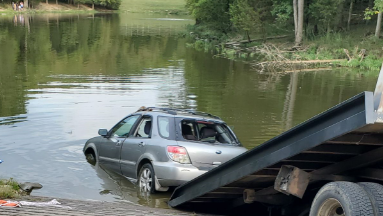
(182, 113)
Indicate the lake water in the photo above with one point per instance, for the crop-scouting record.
(62, 77)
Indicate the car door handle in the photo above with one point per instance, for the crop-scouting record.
(118, 143)
(142, 144)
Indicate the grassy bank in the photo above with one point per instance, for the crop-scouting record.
(52, 8)
(131, 6)
(9, 188)
(154, 6)
(357, 48)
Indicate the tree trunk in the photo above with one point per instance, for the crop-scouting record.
(378, 25)
(57, 2)
(26, 4)
(350, 14)
(46, 1)
(338, 24)
(307, 19)
(316, 30)
(299, 34)
(92, 5)
(248, 36)
(328, 29)
(295, 16)
(78, 5)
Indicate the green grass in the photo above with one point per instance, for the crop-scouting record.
(333, 46)
(9, 188)
(154, 6)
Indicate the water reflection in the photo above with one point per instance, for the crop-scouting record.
(123, 189)
(288, 108)
(19, 19)
(64, 76)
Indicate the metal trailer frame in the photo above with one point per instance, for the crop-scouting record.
(342, 143)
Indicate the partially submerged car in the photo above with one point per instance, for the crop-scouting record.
(163, 147)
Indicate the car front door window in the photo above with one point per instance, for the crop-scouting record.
(123, 128)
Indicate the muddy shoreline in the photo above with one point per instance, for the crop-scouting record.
(89, 207)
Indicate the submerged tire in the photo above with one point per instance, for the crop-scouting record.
(343, 199)
(375, 193)
(91, 157)
(146, 179)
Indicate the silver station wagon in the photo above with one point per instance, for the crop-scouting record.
(161, 147)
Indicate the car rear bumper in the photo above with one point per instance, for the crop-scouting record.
(175, 174)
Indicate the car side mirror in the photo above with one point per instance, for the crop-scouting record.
(103, 132)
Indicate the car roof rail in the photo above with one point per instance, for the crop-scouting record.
(203, 114)
(173, 111)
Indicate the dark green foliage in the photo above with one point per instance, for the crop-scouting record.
(111, 4)
(256, 16)
(250, 16)
(282, 10)
(245, 17)
(324, 10)
(213, 13)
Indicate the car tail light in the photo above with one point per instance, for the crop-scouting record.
(178, 154)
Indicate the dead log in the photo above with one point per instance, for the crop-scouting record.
(348, 54)
(362, 54)
(258, 39)
(313, 61)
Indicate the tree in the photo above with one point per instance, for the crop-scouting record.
(298, 21)
(378, 25)
(377, 9)
(213, 13)
(111, 4)
(295, 6)
(349, 14)
(282, 10)
(244, 17)
(324, 11)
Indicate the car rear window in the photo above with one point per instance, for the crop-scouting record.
(163, 126)
(207, 131)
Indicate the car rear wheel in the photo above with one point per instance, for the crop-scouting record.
(146, 180)
(341, 199)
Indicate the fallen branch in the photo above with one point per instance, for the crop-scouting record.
(348, 54)
(308, 70)
(313, 61)
(278, 65)
(362, 54)
(258, 39)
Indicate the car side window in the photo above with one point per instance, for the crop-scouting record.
(123, 128)
(163, 126)
(144, 129)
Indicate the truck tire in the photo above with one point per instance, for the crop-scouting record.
(375, 193)
(341, 198)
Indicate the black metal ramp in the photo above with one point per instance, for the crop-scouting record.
(347, 137)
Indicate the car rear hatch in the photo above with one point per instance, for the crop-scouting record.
(206, 156)
(209, 142)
